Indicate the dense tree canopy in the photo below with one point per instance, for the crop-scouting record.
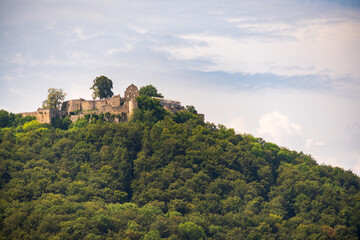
(12, 120)
(150, 91)
(149, 110)
(54, 99)
(102, 87)
(4, 118)
(166, 176)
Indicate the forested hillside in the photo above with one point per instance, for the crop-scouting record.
(165, 176)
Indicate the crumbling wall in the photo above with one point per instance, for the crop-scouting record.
(87, 105)
(122, 108)
(32, 114)
(72, 105)
(114, 101)
(46, 115)
(170, 105)
(99, 103)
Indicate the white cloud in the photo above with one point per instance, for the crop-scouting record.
(309, 142)
(139, 29)
(241, 19)
(277, 126)
(125, 48)
(329, 161)
(266, 27)
(237, 123)
(79, 32)
(77, 55)
(288, 49)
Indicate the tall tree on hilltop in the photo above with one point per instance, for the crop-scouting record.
(54, 99)
(102, 87)
(150, 91)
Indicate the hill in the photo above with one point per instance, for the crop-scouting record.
(165, 176)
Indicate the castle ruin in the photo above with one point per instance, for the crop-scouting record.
(121, 107)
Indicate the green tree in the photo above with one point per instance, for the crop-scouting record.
(4, 118)
(150, 109)
(54, 99)
(62, 123)
(9, 119)
(152, 235)
(191, 109)
(102, 87)
(191, 231)
(170, 179)
(149, 91)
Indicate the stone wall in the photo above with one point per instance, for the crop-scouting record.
(98, 104)
(170, 105)
(76, 105)
(87, 105)
(114, 101)
(46, 115)
(31, 114)
(72, 105)
(124, 107)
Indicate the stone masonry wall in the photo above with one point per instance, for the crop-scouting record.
(72, 105)
(78, 108)
(45, 115)
(114, 101)
(98, 104)
(87, 105)
(32, 114)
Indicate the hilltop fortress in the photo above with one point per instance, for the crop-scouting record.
(121, 108)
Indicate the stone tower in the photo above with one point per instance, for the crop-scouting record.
(131, 92)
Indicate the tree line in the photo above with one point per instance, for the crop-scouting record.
(165, 176)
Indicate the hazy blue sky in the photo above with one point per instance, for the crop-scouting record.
(287, 71)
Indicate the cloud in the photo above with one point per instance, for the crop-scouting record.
(309, 142)
(258, 26)
(278, 126)
(83, 36)
(322, 49)
(237, 123)
(126, 48)
(332, 161)
(309, 48)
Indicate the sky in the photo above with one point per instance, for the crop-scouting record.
(285, 71)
